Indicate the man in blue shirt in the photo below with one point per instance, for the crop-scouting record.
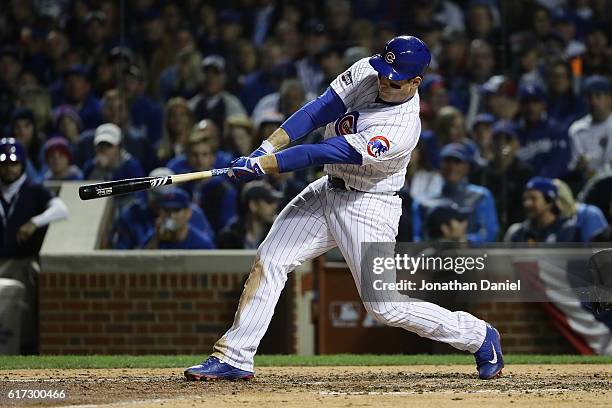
(545, 145)
(172, 229)
(478, 201)
(77, 93)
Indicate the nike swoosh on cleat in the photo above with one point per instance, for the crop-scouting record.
(494, 355)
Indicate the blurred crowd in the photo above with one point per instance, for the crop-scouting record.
(516, 110)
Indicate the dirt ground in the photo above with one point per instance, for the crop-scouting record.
(420, 386)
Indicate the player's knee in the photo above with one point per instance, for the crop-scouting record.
(386, 313)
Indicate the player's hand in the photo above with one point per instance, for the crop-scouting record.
(245, 169)
(26, 231)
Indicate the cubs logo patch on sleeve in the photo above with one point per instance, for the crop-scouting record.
(347, 78)
(347, 124)
(377, 146)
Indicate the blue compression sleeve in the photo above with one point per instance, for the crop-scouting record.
(326, 108)
(333, 150)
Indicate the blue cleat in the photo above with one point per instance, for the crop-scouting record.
(489, 359)
(213, 369)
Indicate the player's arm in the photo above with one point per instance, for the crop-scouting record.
(325, 109)
(331, 151)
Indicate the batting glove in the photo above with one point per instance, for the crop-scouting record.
(245, 169)
(265, 148)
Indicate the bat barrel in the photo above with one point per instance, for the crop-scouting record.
(114, 188)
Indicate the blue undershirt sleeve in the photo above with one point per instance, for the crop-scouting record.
(325, 109)
(334, 150)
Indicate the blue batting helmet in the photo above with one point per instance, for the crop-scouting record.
(404, 57)
(12, 150)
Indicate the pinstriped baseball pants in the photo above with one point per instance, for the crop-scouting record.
(317, 220)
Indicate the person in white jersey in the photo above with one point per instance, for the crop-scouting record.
(371, 114)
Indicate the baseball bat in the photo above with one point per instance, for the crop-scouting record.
(126, 186)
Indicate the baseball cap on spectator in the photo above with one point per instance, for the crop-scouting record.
(68, 111)
(229, 16)
(260, 191)
(108, 133)
(98, 16)
(134, 72)
(175, 198)
(455, 150)
(151, 14)
(499, 84)
(596, 84)
(443, 213)
(432, 82)
(562, 16)
(485, 118)
(10, 51)
(531, 92)
(77, 70)
(239, 120)
(505, 127)
(544, 185)
(11, 150)
(59, 144)
(23, 113)
(121, 53)
(214, 61)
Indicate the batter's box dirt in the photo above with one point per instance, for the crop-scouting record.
(421, 386)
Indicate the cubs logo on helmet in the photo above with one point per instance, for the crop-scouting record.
(347, 124)
(378, 145)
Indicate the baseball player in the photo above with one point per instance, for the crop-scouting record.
(371, 114)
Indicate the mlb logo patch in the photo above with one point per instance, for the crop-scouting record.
(347, 78)
(377, 146)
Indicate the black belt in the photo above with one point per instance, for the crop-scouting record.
(339, 184)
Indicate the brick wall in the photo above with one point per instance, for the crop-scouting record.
(135, 312)
(525, 328)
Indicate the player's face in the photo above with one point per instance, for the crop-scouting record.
(10, 171)
(397, 91)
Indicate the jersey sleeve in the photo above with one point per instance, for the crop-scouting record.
(347, 83)
(378, 145)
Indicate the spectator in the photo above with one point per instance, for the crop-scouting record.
(563, 106)
(77, 93)
(483, 224)
(239, 136)
(111, 160)
(214, 102)
(259, 208)
(172, 229)
(596, 59)
(446, 223)
(591, 136)
(482, 135)
(96, 36)
(564, 25)
(589, 219)
(178, 124)
(145, 115)
(499, 97)
(23, 129)
(598, 192)
(216, 196)
(67, 123)
(157, 49)
(10, 67)
(285, 102)
(137, 219)
(545, 146)
(183, 78)
(308, 69)
(505, 174)
(27, 208)
(58, 159)
(544, 222)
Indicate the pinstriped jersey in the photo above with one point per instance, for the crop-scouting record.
(383, 134)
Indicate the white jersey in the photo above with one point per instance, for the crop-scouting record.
(593, 141)
(384, 134)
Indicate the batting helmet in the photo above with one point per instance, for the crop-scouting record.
(12, 150)
(405, 57)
